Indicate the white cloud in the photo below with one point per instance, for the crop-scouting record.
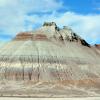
(4, 2)
(13, 13)
(25, 6)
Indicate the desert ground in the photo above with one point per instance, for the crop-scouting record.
(88, 98)
(45, 90)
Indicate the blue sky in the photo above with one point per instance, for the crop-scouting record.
(83, 16)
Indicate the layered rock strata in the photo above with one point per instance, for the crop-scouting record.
(50, 54)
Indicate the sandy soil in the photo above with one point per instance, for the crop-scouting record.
(41, 90)
(88, 98)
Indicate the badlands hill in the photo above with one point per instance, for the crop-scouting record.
(97, 47)
(49, 61)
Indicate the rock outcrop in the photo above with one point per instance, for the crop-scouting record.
(50, 31)
(97, 46)
(23, 36)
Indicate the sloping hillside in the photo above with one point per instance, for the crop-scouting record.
(50, 56)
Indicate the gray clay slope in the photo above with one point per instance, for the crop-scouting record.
(50, 54)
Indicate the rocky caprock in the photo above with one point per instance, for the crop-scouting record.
(49, 62)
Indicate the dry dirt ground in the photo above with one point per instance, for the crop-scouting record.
(88, 98)
(43, 90)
